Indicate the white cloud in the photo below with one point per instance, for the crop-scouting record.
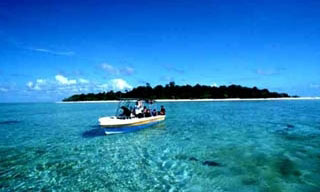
(316, 86)
(214, 85)
(66, 53)
(119, 84)
(116, 71)
(30, 84)
(267, 71)
(62, 85)
(110, 69)
(115, 85)
(167, 78)
(35, 86)
(104, 87)
(65, 81)
(81, 80)
(2, 89)
(127, 71)
(41, 81)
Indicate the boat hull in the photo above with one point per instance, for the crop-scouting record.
(126, 129)
(113, 122)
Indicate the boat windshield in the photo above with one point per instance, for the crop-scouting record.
(128, 103)
(128, 107)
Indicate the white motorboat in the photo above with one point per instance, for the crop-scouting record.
(131, 117)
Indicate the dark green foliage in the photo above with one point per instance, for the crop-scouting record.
(173, 91)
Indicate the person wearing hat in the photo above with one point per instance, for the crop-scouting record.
(162, 110)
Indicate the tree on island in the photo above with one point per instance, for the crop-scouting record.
(173, 91)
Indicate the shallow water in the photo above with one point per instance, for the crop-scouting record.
(202, 146)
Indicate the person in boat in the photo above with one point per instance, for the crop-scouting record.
(138, 110)
(126, 112)
(162, 110)
(154, 112)
(148, 113)
(144, 111)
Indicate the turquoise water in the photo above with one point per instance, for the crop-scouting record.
(202, 146)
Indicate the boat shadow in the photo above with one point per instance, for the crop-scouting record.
(96, 131)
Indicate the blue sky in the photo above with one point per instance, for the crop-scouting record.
(50, 50)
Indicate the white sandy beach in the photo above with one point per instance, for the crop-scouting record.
(206, 100)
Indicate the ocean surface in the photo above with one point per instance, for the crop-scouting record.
(264, 146)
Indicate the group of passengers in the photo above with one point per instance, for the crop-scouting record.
(141, 111)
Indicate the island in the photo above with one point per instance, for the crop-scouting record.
(173, 91)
